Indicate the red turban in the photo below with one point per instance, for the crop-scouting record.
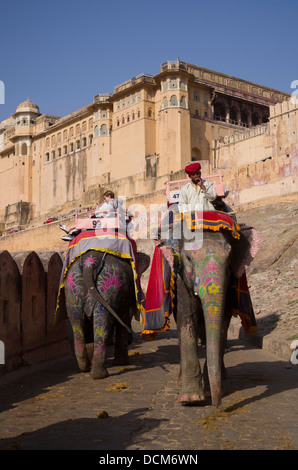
(192, 168)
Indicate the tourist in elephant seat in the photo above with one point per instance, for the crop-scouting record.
(197, 192)
(107, 209)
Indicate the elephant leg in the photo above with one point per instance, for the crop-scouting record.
(76, 320)
(121, 345)
(190, 370)
(102, 324)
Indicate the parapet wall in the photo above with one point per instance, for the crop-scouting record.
(260, 181)
(29, 283)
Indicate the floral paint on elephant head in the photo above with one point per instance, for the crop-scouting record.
(204, 272)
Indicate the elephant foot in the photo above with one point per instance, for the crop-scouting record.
(99, 373)
(191, 398)
(83, 364)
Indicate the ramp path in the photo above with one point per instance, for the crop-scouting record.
(53, 406)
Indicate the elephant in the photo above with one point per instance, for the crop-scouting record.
(99, 295)
(202, 270)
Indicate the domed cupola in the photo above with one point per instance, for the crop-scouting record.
(28, 107)
(26, 113)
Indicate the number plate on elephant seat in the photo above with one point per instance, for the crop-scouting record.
(89, 223)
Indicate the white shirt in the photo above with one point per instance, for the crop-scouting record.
(191, 194)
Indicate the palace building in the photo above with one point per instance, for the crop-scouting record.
(132, 140)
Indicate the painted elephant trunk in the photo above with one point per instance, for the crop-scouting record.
(214, 354)
(213, 292)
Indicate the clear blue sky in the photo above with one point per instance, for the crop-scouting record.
(62, 53)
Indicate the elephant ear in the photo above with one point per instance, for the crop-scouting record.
(143, 262)
(244, 250)
(169, 241)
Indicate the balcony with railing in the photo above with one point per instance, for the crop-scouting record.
(102, 98)
(174, 65)
(139, 79)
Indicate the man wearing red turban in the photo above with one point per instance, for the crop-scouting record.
(198, 192)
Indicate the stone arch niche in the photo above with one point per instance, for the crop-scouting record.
(33, 310)
(56, 336)
(10, 311)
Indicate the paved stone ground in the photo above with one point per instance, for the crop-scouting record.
(56, 407)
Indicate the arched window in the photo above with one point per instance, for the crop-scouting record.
(84, 142)
(234, 115)
(90, 139)
(133, 116)
(122, 120)
(256, 119)
(173, 100)
(183, 102)
(65, 150)
(244, 118)
(165, 102)
(103, 130)
(219, 112)
(139, 113)
(96, 131)
(53, 154)
(127, 118)
(71, 148)
(59, 152)
(47, 157)
(118, 123)
(24, 149)
(78, 145)
(149, 112)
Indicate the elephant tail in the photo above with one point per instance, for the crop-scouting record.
(88, 278)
